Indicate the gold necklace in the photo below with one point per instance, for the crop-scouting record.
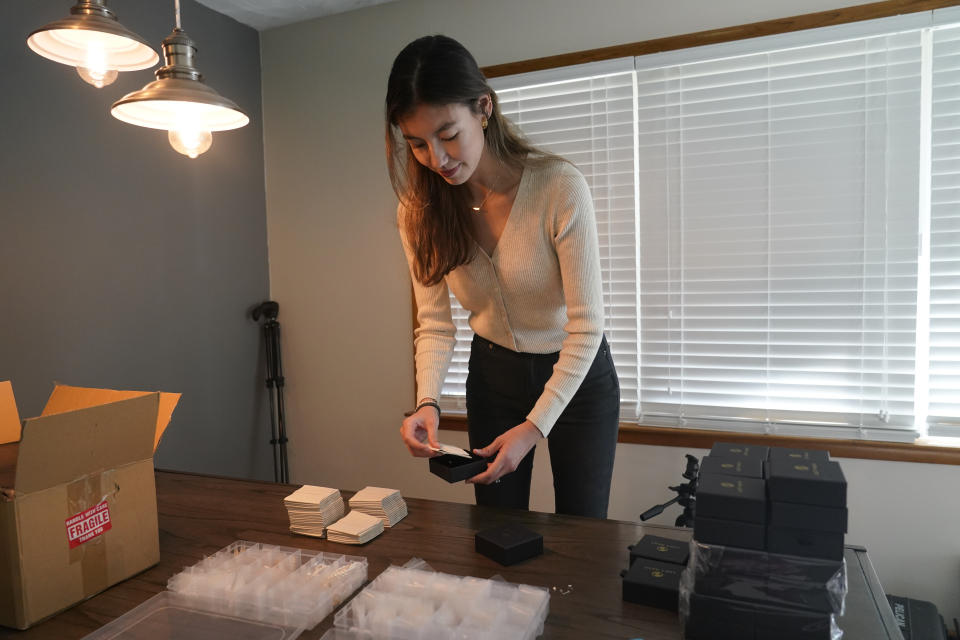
(479, 207)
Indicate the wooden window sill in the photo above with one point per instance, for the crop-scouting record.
(704, 439)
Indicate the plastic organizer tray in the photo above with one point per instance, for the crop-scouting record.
(421, 604)
(245, 591)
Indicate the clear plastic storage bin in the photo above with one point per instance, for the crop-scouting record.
(246, 591)
(420, 604)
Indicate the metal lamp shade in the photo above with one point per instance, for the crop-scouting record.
(170, 103)
(68, 41)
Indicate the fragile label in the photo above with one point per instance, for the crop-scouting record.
(88, 524)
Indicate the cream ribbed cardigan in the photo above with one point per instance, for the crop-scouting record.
(539, 292)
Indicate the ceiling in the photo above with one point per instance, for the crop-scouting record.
(266, 14)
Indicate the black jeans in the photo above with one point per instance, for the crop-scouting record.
(502, 387)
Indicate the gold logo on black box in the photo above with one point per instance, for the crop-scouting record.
(726, 485)
(662, 548)
(656, 573)
(801, 467)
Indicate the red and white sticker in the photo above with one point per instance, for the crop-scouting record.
(88, 524)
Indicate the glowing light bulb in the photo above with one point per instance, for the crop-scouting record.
(98, 77)
(190, 142)
(94, 70)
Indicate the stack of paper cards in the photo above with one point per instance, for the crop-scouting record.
(311, 509)
(355, 528)
(386, 504)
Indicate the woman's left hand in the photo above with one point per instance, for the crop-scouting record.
(510, 448)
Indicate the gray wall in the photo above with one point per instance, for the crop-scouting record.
(124, 264)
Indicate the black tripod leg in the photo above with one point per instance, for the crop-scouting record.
(281, 418)
(271, 376)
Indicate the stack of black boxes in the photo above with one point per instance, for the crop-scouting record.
(767, 557)
(653, 577)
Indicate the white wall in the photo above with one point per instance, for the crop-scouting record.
(337, 270)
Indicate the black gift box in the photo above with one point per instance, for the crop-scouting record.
(742, 467)
(798, 455)
(782, 623)
(661, 549)
(721, 619)
(731, 498)
(508, 544)
(808, 516)
(655, 584)
(820, 483)
(772, 579)
(734, 450)
(745, 535)
(718, 619)
(803, 542)
(456, 468)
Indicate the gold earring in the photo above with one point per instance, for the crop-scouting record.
(483, 123)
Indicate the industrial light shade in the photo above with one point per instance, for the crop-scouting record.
(92, 40)
(179, 101)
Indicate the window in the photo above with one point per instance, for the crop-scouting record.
(779, 223)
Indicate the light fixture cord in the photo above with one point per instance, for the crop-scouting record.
(176, 8)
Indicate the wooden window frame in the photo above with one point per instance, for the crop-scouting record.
(704, 438)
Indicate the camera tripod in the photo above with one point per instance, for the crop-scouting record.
(686, 496)
(278, 431)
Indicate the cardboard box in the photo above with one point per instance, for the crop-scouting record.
(82, 513)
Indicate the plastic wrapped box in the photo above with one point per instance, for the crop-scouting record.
(737, 593)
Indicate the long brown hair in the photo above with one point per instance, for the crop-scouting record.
(438, 70)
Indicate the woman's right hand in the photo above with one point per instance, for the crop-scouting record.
(419, 432)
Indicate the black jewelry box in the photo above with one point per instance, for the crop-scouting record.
(819, 483)
(782, 623)
(713, 618)
(721, 619)
(802, 586)
(808, 516)
(661, 549)
(731, 498)
(456, 468)
(735, 450)
(798, 455)
(803, 542)
(655, 584)
(746, 535)
(741, 467)
(508, 544)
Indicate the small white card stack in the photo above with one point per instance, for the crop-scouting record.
(355, 528)
(386, 504)
(312, 509)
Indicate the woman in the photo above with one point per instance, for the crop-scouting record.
(511, 231)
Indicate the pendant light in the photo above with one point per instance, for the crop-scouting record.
(179, 101)
(93, 41)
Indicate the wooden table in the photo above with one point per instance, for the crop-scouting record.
(582, 557)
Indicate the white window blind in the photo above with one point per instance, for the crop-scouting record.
(590, 122)
(944, 363)
(779, 221)
(778, 226)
